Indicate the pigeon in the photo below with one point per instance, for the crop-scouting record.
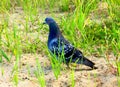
(57, 44)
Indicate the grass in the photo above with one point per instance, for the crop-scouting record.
(39, 73)
(3, 54)
(2, 70)
(56, 63)
(98, 34)
(72, 78)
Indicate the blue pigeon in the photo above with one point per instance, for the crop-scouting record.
(58, 44)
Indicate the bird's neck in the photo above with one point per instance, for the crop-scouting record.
(54, 31)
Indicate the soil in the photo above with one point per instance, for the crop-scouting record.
(104, 76)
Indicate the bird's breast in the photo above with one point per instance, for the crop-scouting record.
(51, 43)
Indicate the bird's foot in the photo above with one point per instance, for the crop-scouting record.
(94, 67)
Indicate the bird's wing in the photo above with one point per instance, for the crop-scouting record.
(59, 46)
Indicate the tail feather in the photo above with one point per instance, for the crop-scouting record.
(87, 62)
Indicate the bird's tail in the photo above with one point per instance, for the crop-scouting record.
(87, 62)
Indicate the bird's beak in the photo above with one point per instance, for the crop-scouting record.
(44, 23)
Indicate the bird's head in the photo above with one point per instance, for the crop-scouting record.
(49, 20)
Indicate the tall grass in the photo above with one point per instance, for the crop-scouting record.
(72, 78)
(5, 5)
(75, 24)
(64, 5)
(16, 50)
(39, 73)
(115, 38)
(56, 63)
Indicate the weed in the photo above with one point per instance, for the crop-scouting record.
(72, 78)
(39, 73)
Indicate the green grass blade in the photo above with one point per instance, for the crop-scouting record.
(4, 55)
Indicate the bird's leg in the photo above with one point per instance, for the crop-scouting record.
(68, 67)
(94, 67)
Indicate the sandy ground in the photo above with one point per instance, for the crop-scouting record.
(104, 76)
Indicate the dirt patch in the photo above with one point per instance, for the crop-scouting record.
(84, 77)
